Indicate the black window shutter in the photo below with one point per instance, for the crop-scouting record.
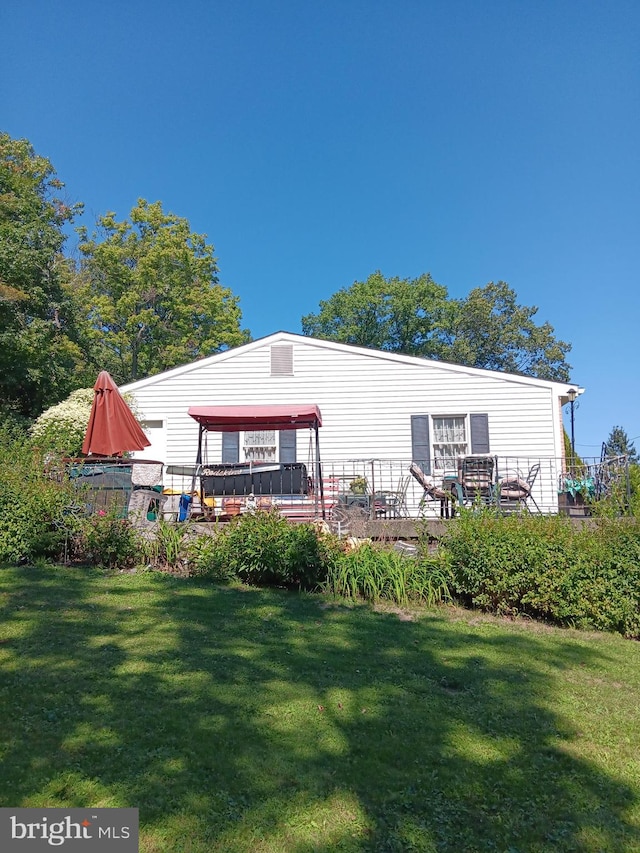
(420, 447)
(479, 433)
(230, 447)
(287, 445)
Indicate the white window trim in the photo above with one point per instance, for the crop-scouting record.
(459, 448)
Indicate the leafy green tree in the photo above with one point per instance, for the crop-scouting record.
(398, 315)
(618, 444)
(489, 329)
(149, 288)
(39, 356)
(415, 316)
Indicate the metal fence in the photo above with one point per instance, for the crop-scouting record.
(556, 487)
(387, 488)
(373, 488)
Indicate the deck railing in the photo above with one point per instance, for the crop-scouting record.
(386, 488)
(557, 487)
(373, 488)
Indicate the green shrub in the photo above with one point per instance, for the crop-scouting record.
(264, 549)
(209, 558)
(33, 505)
(544, 566)
(112, 542)
(380, 573)
(604, 585)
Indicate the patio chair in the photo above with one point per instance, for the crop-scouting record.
(515, 492)
(430, 492)
(476, 480)
(395, 502)
(146, 501)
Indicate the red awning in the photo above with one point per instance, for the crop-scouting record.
(237, 418)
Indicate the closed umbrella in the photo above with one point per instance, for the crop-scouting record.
(112, 429)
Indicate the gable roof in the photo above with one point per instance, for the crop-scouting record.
(558, 388)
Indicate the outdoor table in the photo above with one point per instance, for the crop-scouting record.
(363, 502)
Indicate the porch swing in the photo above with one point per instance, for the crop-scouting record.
(246, 482)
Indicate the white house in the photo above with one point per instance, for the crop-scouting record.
(375, 405)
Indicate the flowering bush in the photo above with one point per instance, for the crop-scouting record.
(61, 428)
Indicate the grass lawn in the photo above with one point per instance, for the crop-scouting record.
(258, 721)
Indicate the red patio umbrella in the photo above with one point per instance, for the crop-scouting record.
(112, 428)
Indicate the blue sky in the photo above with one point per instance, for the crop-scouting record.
(315, 143)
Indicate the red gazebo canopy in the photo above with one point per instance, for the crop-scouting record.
(238, 418)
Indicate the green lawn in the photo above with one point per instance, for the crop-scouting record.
(249, 720)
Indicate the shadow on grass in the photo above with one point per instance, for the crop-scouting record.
(252, 720)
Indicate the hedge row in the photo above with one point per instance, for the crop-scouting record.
(584, 576)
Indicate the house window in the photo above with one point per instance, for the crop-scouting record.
(449, 441)
(260, 445)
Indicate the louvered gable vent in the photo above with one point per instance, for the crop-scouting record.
(282, 360)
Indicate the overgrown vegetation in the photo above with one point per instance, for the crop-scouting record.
(265, 549)
(33, 506)
(377, 573)
(169, 549)
(112, 542)
(623, 497)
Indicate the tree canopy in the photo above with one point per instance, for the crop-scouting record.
(399, 315)
(39, 355)
(487, 329)
(149, 291)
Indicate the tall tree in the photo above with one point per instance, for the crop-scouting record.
(489, 329)
(618, 444)
(399, 315)
(39, 358)
(415, 316)
(150, 290)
